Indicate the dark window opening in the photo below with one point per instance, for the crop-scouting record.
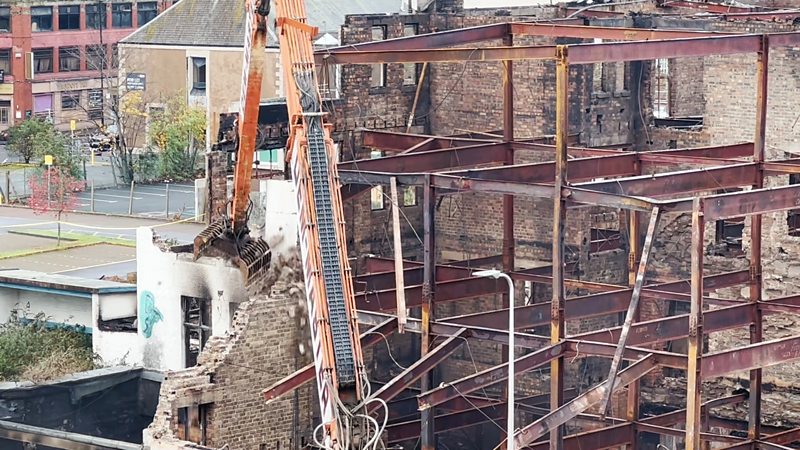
(198, 75)
(70, 100)
(121, 15)
(115, 56)
(604, 240)
(96, 16)
(43, 60)
(196, 325)
(5, 19)
(5, 60)
(728, 234)
(793, 215)
(5, 112)
(192, 423)
(125, 324)
(146, 12)
(96, 58)
(69, 17)
(69, 59)
(378, 70)
(42, 18)
(410, 70)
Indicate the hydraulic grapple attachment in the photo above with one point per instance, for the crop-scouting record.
(251, 255)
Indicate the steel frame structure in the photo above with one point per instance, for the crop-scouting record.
(445, 165)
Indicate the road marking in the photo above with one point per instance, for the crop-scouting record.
(126, 197)
(96, 265)
(99, 200)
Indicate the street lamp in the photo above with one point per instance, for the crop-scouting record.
(494, 273)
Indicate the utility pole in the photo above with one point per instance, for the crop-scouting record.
(102, 8)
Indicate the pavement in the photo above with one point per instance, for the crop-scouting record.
(91, 261)
(149, 200)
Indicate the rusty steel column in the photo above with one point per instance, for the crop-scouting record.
(557, 315)
(634, 250)
(693, 405)
(756, 328)
(427, 431)
(508, 200)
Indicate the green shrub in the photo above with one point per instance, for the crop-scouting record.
(31, 349)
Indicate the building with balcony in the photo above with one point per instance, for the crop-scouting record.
(58, 59)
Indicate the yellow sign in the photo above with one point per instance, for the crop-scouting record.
(73, 125)
(6, 89)
(48, 160)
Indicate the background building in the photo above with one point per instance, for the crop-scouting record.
(56, 57)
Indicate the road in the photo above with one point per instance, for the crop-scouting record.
(149, 200)
(88, 262)
(98, 225)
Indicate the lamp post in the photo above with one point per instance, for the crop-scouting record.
(494, 273)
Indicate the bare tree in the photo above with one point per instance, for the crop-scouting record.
(118, 113)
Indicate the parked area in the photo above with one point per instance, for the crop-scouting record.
(160, 200)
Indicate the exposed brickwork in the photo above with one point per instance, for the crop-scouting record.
(233, 370)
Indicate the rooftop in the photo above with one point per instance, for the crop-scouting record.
(67, 285)
(221, 23)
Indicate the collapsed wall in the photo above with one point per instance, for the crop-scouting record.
(218, 402)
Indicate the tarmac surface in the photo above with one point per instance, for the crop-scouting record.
(91, 261)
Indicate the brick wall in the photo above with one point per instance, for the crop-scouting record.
(232, 371)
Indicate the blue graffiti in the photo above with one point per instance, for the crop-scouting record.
(150, 315)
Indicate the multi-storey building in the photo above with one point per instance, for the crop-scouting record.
(58, 58)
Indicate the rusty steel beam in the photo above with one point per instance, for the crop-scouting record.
(417, 370)
(753, 356)
(682, 182)
(447, 291)
(781, 167)
(756, 201)
(610, 33)
(666, 431)
(428, 418)
(306, 374)
(724, 152)
(679, 416)
(579, 169)
(560, 416)
(633, 306)
(695, 332)
(577, 348)
(608, 437)
(784, 437)
(559, 297)
(404, 431)
(766, 445)
(431, 40)
(398, 142)
(579, 53)
(432, 160)
(488, 377)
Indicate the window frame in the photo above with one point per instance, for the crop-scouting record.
(35, 18)
(150, 12)
(92, 57)
(74, 96)
(5, 112)
(118, 12)
(96, 16)
(408, 67)
(377, 191)
(42, 51)
(70, 18)
(379, 69)
(6, 68)
(199, 87)
(5, 16)
(70, 52)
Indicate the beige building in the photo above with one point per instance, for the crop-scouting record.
(195, 49)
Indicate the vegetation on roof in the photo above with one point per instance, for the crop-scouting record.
(33, 350)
